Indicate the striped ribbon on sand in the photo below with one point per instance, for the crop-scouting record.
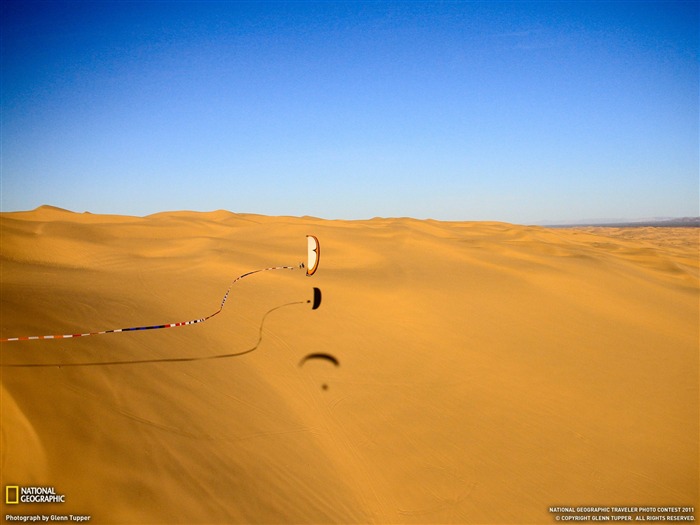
(153, 327)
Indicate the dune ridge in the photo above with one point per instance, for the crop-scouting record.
(487, 370)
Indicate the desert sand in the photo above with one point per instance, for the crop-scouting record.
(488, 371)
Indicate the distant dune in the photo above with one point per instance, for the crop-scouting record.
(487, 371)
(677, 222)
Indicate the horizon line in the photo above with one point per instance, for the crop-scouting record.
(676, 221)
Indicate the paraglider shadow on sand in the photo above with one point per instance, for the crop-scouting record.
(316, 303)
(322, 356)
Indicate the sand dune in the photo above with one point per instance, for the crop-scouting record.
(487, 371)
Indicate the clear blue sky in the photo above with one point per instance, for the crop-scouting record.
(512, 111)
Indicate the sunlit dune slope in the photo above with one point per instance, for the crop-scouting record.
(487, 371)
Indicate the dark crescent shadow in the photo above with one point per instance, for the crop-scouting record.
(162, 359)
(320, 355)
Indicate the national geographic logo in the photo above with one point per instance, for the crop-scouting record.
(11, 495)
(14, 495)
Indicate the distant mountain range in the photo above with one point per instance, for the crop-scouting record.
(658, 222)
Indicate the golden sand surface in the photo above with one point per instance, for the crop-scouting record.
(488, 371)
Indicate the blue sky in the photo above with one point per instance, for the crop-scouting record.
(512, 111)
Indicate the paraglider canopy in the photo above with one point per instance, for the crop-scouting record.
(317, 298)
(314, 254)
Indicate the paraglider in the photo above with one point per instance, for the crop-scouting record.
(313, 256)
(317, 298)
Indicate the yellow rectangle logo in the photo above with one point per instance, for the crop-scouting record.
(11, 494)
